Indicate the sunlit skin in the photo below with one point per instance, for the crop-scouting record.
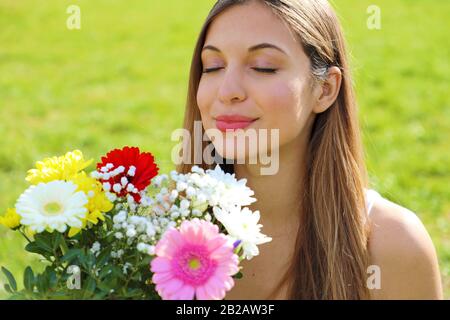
(288, 99)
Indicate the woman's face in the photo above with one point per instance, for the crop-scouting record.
(271, 87)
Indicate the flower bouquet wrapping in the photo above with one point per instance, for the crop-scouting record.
(124, 232)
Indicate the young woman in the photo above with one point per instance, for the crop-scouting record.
(282, 64)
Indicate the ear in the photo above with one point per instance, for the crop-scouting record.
(328, 90)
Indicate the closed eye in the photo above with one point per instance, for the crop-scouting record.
(263, 70)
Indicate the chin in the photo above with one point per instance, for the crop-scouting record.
(237, 154)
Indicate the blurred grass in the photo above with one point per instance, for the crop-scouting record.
(122, 80)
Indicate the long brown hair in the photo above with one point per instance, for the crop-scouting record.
(331, 257)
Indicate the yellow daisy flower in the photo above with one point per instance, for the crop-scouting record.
(10, 219)
(58, 168)
(97, 204)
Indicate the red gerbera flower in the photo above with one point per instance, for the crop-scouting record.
(127, 171)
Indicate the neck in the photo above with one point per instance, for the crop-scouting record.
(278, 195)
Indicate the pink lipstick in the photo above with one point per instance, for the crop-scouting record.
(233, 122)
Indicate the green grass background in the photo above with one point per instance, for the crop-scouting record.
(122, 80)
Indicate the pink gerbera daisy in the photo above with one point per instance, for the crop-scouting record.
(195, 260)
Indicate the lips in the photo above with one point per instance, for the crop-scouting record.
(233, 122)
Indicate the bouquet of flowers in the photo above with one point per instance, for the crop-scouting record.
(124, 232)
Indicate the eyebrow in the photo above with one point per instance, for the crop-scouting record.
(251, 49)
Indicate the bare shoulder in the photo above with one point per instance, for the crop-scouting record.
(401, 247)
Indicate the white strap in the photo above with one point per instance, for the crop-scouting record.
(371, 196)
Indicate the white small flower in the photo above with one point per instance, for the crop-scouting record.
(106, 186)
(109, 165)
(150, 230)
(185, 213)
(181, 186)
(104, 169)
(197, 169)
(174, 175)
(131, 171)
(118, 235)
(130, 199)
(117, 187)
(190, 192)
(166, 206)
(131, 233)
(146, 201)
(124, 181)
(173, 195)
(201, 198)
(135, 220)
(171, 224)
(130, 187)
(184, 204)
(126, 267)
(175, 215)
(158, 211)
(151, 250)
(117, 226)
(158, 180)
(95, 175)
(141, 247)
(95, 247)
(120, 217)
(159, 197)
(111, 196)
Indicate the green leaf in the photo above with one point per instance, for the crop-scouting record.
(103, 258)
(57, 240)
(71, 255)
(34, 248)
(28, 279)
(44, 242)
(52, 279)
(89, 288)
(106, 270)
(11, 280)
(238, 275)
(8, 289)
(145, 262)
(42, 283)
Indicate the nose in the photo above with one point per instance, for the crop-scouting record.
(231, 89)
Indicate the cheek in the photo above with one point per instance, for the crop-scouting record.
(205, 98)
(284, 107)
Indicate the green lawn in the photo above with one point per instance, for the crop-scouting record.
(122, 80)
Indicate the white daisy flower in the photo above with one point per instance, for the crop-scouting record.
(229, 191)
(52, 206)
(243, 225)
